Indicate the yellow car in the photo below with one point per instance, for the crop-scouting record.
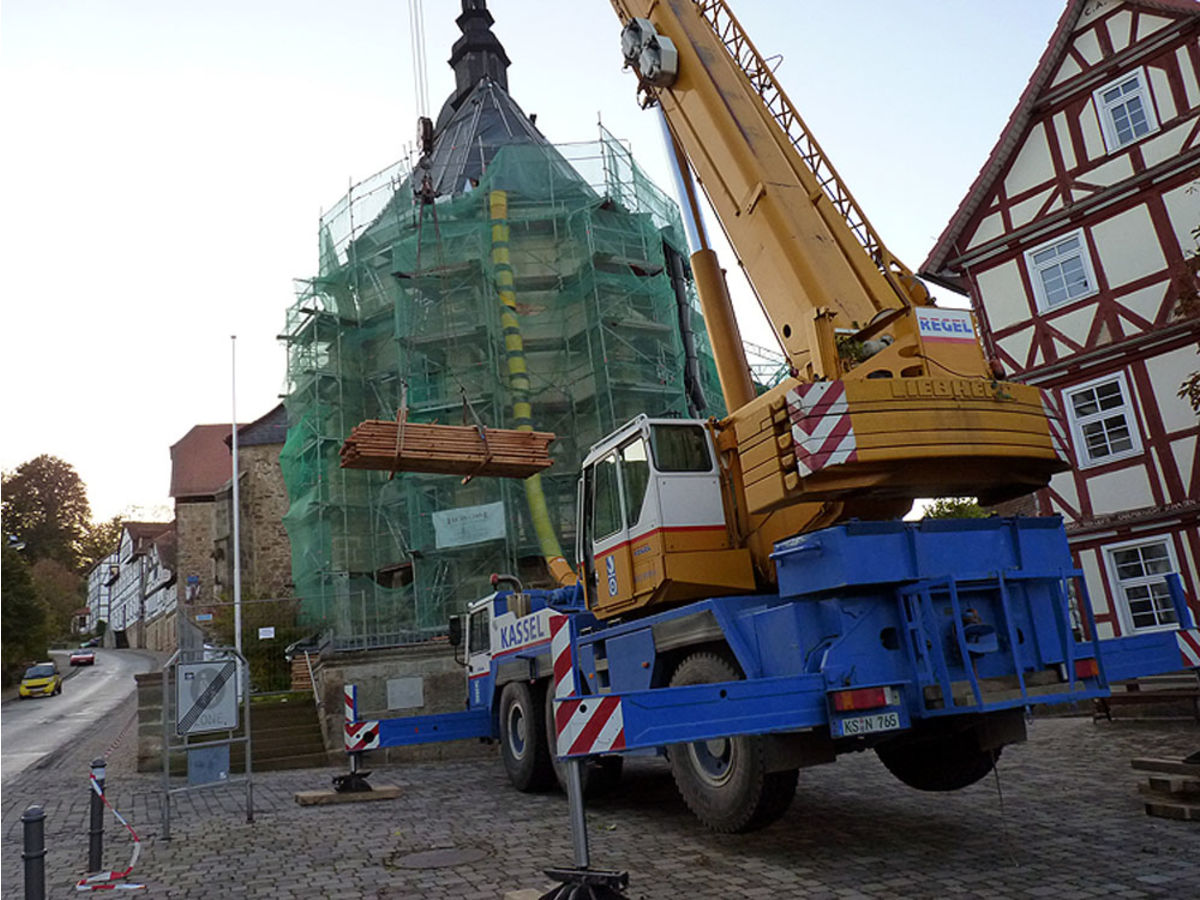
(41, 680)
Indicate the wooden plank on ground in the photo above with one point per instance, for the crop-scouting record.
(331, 797)
(1173, 809)
(1166, 766)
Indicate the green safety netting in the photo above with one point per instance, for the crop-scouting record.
(405, 306)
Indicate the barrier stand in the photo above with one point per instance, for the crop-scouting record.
(358, 736)
(582, 882)
(96, 829)
(33, 821)
(111, 880)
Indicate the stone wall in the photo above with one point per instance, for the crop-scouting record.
(193, 555)
(161, 633)
(443, 683)
(266, 551)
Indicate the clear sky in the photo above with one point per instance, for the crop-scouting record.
(164, 163)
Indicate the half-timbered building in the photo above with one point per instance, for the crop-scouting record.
(1073, 245)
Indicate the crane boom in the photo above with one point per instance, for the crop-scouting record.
(890, 397)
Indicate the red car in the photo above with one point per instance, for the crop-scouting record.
(83, 657)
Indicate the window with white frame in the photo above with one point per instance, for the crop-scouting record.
(1102, 421)
(1061, 271)
(1139, 573)
(1126, 113)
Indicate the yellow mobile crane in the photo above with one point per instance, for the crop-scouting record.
(729, 613)
(890, 398)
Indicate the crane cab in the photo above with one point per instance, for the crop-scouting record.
(652, 527)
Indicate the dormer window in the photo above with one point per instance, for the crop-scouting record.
(1126, 113)
(1061, 271)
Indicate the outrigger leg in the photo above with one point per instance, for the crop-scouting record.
(583, 882)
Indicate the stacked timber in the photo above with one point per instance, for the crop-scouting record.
(1171, 788)
(466, 450)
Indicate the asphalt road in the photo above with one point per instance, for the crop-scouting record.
(35, 728)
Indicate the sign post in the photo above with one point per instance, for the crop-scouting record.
(201, 697)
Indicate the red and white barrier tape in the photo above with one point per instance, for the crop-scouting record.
(107, 881)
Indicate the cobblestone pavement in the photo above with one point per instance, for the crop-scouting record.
(1064, 822)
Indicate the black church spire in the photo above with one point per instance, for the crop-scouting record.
(478, 53)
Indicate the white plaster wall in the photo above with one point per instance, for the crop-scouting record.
(1183, 209)
(1120, 30)
(1167, 371)
(1109, 173)
(1063, 132)
(1190, 86)
(1093, 140)
(1119, 491)
(1089, 562)
(1077, 325)
(1166, 145)
(1067, 70)
(1087, 45)
(989, 227)
(1003, 295)
(1063, 484)
(1033, 165)
(1160, 89)
(1184, 451)
(1148, 24)
(1127, 246)
(1145, 302)
(1024, 212)
(1017, 345)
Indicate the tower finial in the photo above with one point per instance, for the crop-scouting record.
(478, 53)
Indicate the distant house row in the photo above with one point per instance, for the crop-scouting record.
(159, 567)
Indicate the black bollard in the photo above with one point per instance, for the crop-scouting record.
(34, 852)
(96, 832)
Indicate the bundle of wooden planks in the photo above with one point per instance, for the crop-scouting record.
(466, 450)
(1172, 787)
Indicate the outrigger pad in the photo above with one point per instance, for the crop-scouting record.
(351, 783)
(586, 884)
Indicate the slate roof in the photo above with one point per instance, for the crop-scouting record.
(270, 428)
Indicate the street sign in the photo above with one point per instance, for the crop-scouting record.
(204, 617)
(206, 694)
(265, 634)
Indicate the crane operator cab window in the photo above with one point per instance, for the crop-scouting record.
(620, 497)
(680, 448)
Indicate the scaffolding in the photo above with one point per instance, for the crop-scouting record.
(406, 305)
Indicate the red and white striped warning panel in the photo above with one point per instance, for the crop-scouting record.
(589, 725)
(350, 696)
(821, 428)
(362, 736)
(1058, 434)
(1189, 646)
(560, 652)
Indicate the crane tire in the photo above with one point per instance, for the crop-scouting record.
(948, 763)
(725, 782)
(598, 775)
(522, 737)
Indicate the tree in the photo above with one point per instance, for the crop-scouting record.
(101, 539)
(22, 617)
(955, 508)
(61, 591)
(46, 506)
(1189, 307)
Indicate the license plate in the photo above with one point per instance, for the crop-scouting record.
(889, 721)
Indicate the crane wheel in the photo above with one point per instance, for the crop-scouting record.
(522, 745)
(948, 763)
(597, 776)
(725, 782)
